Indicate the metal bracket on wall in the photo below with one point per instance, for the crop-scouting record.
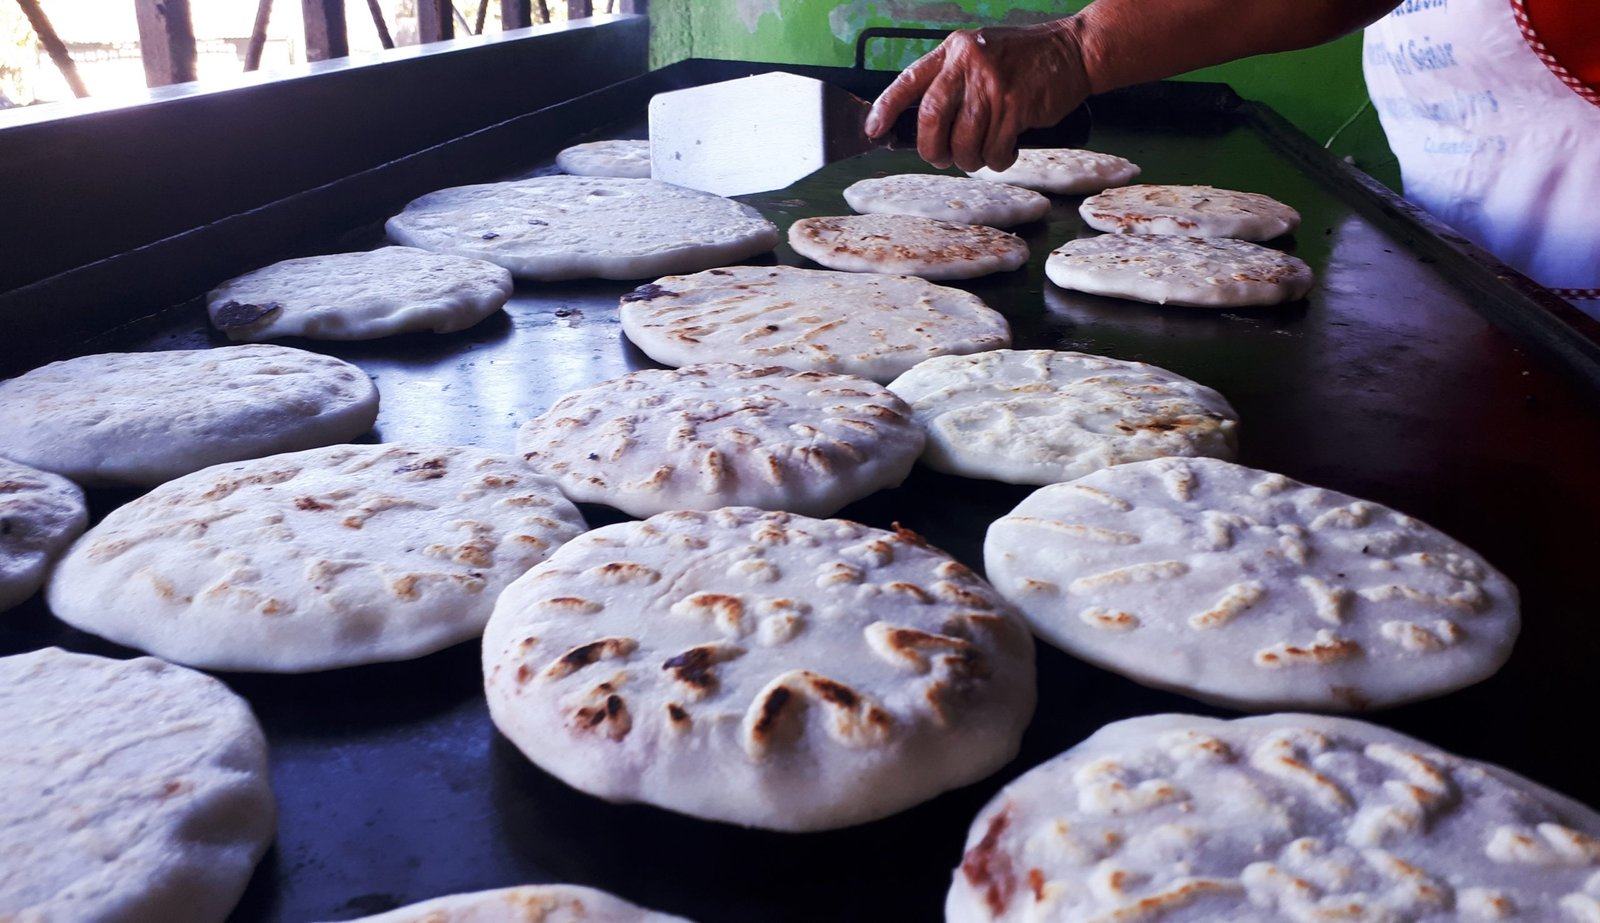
(887, 32)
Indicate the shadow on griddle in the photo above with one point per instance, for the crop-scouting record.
(419, 344)
(634, 356)
(1084, 308)
(722, 873)
(942, 509)
(352, 700)
(30, 626)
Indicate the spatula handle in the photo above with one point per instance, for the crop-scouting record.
(1072, 131)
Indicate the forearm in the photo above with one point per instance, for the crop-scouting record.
(982, 87)
(1126, 42)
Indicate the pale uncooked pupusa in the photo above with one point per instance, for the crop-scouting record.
(143, 418)
(314, 560)
(1295, 818)
(961, 199)
(616, 157)
(758, 668)
(1249, 589)
(585, 227)
(133, 790)
(359, 296)
(1063, 171)
(40, 514)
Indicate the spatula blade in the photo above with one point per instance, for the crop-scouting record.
(753, 134)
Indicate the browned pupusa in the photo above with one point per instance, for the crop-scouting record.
(1248, 588)
(759, 668)
(722, 434)
(928, 247)
(1189, 211)
(1040, 416)
(1214, 272)
(314, 560)
(1301, 818)
(867, 324)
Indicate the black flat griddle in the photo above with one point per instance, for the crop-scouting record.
(1418, 373)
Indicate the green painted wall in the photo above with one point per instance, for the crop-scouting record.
(1319, 89)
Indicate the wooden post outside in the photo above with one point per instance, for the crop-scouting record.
(56, 48)
(516, 14)
(166, 41)
(544, 11)
(258, 36)
(483, 13)
(377, 21)
(326, 35)
(579, 9)
(435, 21)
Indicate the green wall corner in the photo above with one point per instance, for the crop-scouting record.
(1320, 89)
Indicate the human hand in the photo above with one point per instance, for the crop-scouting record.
(981, 88)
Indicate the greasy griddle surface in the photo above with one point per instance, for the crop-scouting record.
(1384, 383)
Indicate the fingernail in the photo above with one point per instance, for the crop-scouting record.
(871, 125)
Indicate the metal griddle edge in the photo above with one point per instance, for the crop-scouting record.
(1420, 373)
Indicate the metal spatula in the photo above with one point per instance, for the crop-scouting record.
(760, 133)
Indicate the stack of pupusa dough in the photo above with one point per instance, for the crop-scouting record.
(1184, 245)
(923, 224)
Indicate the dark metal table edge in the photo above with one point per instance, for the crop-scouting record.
(51, 315)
